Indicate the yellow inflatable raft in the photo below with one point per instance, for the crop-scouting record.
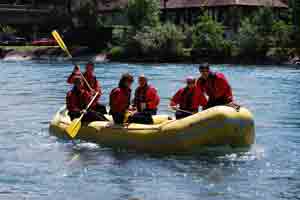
(220, 125)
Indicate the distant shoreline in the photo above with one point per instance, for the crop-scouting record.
(23, 53)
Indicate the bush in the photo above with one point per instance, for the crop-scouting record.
(281, 38)
(162, 41)
(282, 33)
(208, 35)
(116, 53)
(263, 36)
(141, 13)
(7, 29)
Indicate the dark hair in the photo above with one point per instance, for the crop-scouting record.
(125, 77)
(204, 66)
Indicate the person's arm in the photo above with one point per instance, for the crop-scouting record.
(152, 98)
(176, 98)
(70, 104)
(224, 89)
(199, 97)
(114, 99)
(97, 87)
(134, 101)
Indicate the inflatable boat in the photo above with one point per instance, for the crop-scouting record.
(217, 126)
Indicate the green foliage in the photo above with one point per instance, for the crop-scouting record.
(208, 34)
(264, 19)
(248, 40)
(188, 33)
(255, 36)
(141, 13)
(7, 29)
(116, 52)
(264, 35)
(160, 41)
(282, 33)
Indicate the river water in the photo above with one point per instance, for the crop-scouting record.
(36, 165)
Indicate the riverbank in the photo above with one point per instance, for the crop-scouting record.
(22, 53)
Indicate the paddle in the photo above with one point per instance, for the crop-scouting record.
(63, 46)
(177, 109)
(75, 125)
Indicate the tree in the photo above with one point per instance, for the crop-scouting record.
(208, 34)
(296, 14)
(282, 34)
(264, 19)
(142, 13)
(87, 13)
(247, 38)
(255, 34)
(161, 41)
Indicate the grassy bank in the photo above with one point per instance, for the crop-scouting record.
(25, 49)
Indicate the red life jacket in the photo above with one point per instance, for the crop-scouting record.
(216, 87)
(187, 99)
(77, 100)
(119, 99)
(92, 80)
(148, 95)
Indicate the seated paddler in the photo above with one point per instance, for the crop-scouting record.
(77, 99)
(119, 99)
(215, 86)
(145, 102)
(187, 100)
(90, 84)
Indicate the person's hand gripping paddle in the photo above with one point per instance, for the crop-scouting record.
(75, 125)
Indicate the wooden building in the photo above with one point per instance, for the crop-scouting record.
(32, 17)
(229, 12)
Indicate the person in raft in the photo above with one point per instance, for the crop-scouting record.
(119, 99)
(90, 77)
(146, 101)
(215, 86)
(188, 98)
(77, 99)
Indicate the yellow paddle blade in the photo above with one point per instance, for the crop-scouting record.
(74, 127)
(126, 116)
(60, 42)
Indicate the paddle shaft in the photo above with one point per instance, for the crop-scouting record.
(178, 109)
(65, 48)
(88, 106)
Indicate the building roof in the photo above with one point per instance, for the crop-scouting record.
(220, 3)
(172, 4)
